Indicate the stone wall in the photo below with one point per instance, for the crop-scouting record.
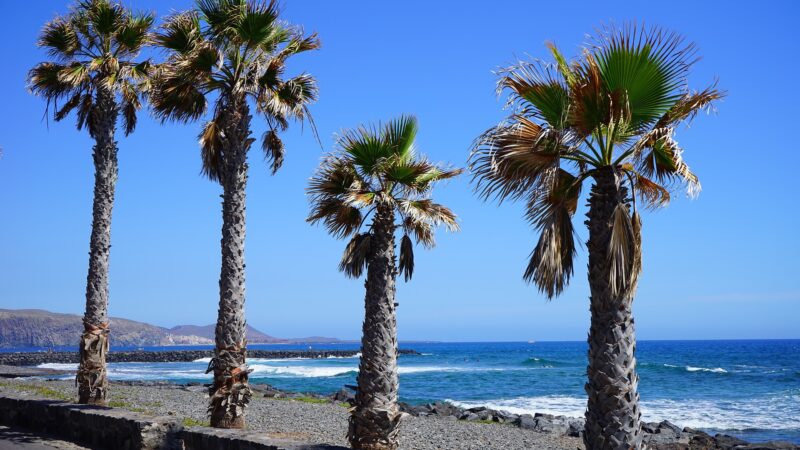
(118, 429)
(91, 425)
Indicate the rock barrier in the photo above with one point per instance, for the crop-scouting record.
(36, 358)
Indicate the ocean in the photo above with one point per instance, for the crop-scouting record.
(749, 389)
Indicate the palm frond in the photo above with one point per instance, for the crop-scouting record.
(44, 79)
(130, 105)
(222, 17)
(60, 39)
(258, 27)
(273, 149)
(662, 161)
(406, 266)
(624, 252)
(338, 216)
(211, 147)
(299, 44)
(589, 109)
(421, 230)
(652, 194)
(551, 262)
(335, 178)
(85, 109)
(423, 180)
(176, 97)
(356, 253)
(180, 32)
(426, 210)
(105, 17)
(537, 89)
(689, 106)
(67, 107)
(511, 159)
(129, 117)
(134, 33)
(399, 134)
(550, 211)
(649, 65)
(365, 146)
(563, 66)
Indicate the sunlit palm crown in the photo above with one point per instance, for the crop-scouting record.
(617, 105)
(375, 166)
(94, 46)
(237, 50)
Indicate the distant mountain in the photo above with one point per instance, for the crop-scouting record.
(40, 328)
(253, 336)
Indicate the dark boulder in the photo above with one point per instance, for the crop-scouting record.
(525, 421)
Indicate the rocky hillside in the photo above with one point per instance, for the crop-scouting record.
(39, 328)
(253, 335)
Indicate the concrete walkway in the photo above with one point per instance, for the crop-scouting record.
(12, 438)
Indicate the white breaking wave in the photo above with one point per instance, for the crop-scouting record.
(58, 366)
(772, 413)
(301, 371)
(698, 369)
(134, 371)
(550, 404)
(333, 371)
(357, 355)
(704, 369)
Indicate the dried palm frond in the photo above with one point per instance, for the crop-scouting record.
(273, 149)
(427, 211)
(406, 266)
(550, 211)
(354, 259)
(421, 230)
(550, 265)
(624, 251)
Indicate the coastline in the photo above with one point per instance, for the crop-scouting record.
(322, 419)
(706, 387)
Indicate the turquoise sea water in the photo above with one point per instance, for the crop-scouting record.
(749, 389)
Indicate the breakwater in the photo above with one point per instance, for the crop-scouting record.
(36, 358)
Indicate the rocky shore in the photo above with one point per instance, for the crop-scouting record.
(36, 358)
(323, 419)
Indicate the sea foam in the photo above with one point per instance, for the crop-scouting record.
(767, 413)
(301, 371)
(58, 366)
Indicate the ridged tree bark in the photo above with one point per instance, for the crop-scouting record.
(612, 415)
(91, 378)
(230, 392)
(375, 418)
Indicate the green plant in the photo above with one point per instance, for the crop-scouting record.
(190, 422)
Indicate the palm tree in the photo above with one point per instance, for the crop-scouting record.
(235, 51)
(376, 170)
(611, 116)
(95, 72)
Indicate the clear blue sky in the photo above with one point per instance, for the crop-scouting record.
(722, 266)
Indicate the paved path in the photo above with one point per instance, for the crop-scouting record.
(17, 439)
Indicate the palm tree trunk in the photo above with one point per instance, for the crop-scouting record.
(230, 392)
(375, 418)
(91, 378)
(612, 414)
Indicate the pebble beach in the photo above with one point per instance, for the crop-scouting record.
(302, 420)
